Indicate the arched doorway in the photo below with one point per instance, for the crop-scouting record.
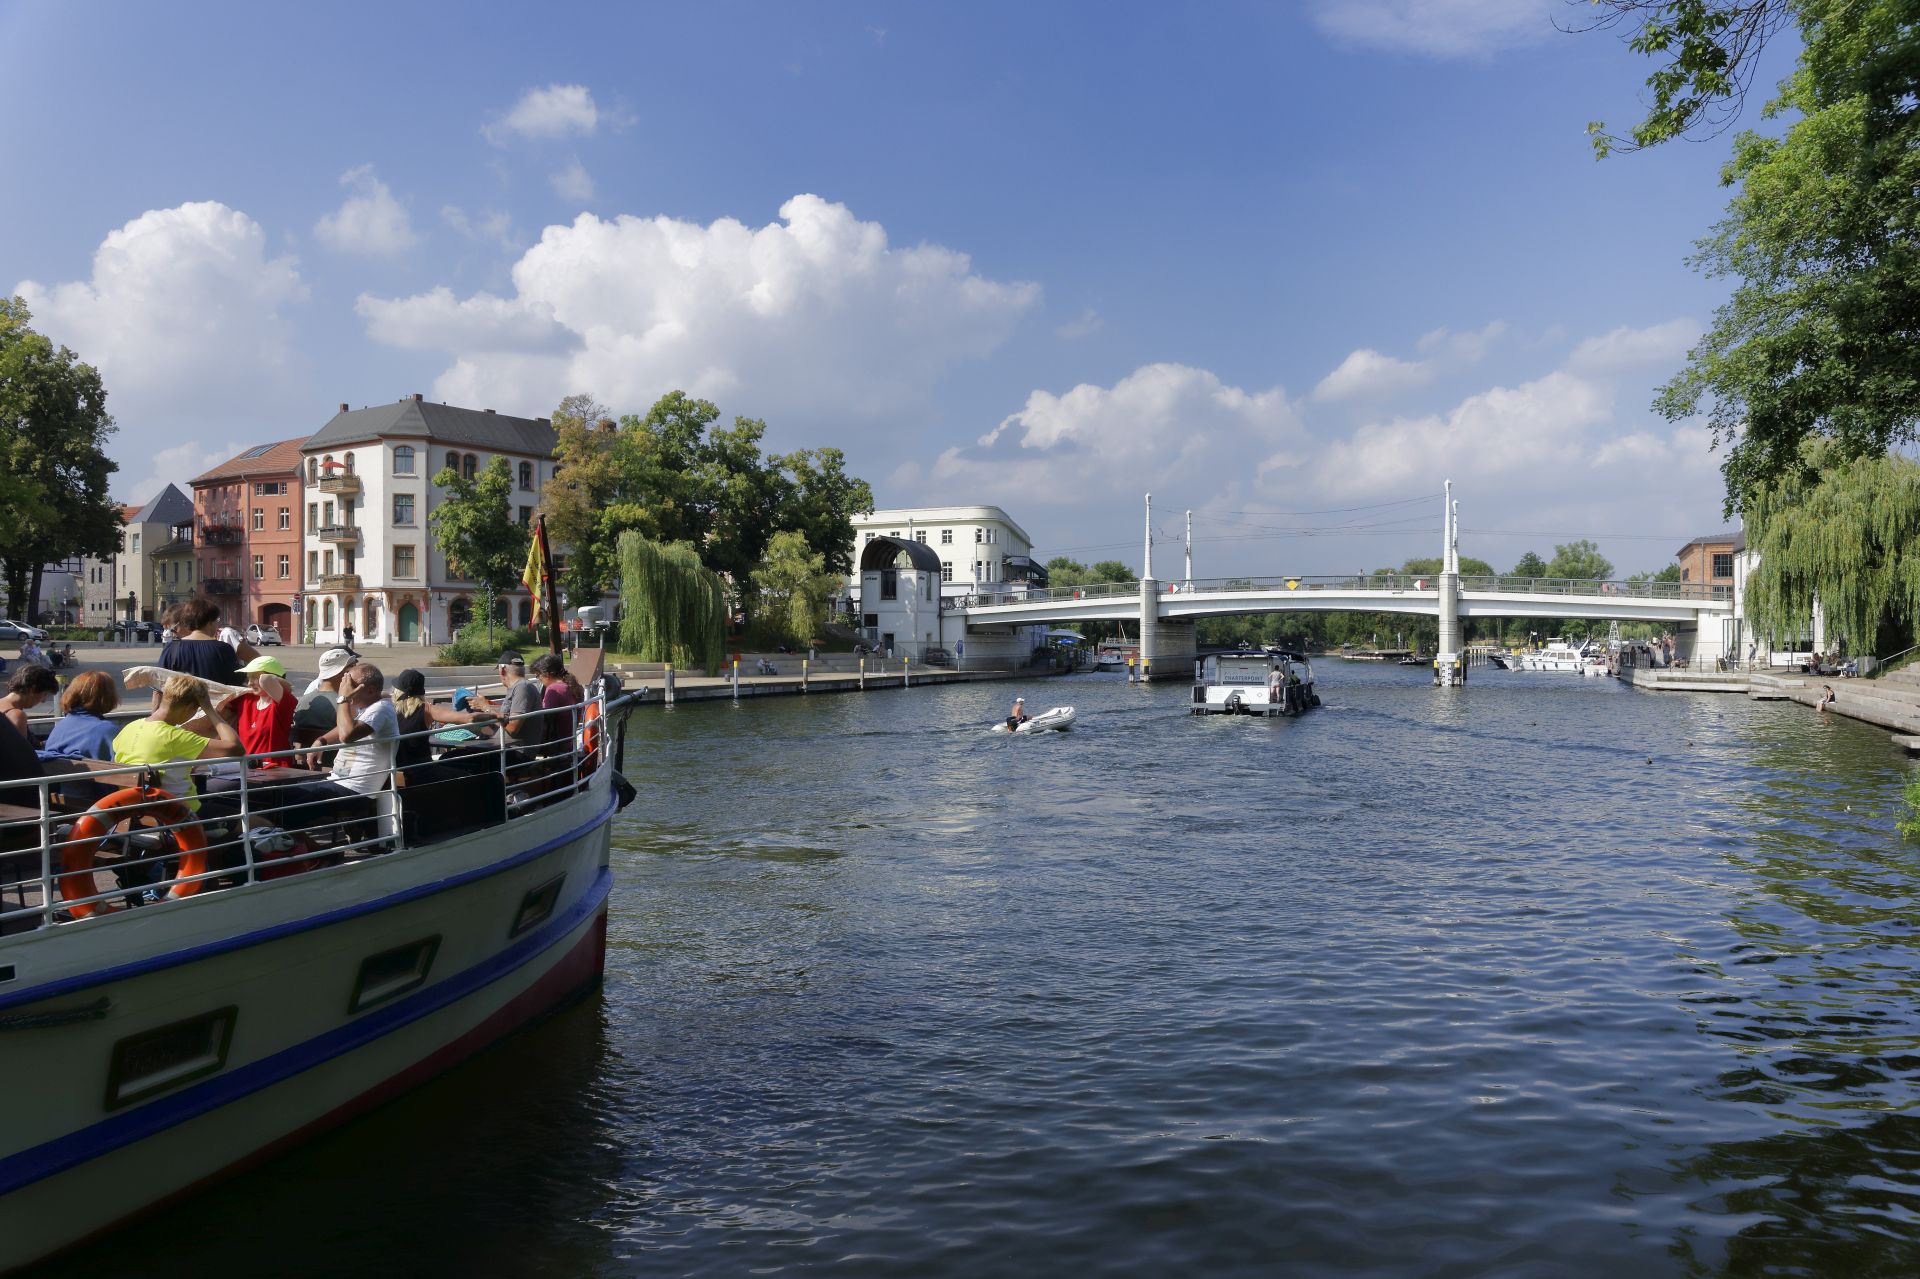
(459, 613)
(280, 618)
(373, 613)
(409, 623)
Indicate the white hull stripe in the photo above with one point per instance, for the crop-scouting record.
(62, 1153)
(239, 941)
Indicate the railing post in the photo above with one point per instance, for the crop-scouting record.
(246, 816)
(666, 691)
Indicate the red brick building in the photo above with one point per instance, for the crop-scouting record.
(248, 527)
(1709, 559)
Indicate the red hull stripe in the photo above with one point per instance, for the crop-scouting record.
(75, 1148)
(240, 941)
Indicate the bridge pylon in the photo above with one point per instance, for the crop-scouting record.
(1447, 667)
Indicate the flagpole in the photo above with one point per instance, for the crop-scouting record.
(551, 587)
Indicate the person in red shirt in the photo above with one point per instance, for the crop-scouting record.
(264, 717)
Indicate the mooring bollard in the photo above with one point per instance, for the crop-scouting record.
(863, 674)
(736, 679)
(1146, 671)
(1130, 677)
(906, 672)
(804, 664)
(666, 692)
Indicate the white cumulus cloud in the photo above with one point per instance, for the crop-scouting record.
(557, 111)
(1367, 372)
(1630, 350)
(573, 182)
(814, 312)
(370, 222)
(185, 317)
(1435, 28)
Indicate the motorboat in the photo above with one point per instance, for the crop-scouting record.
(1057, 718)
(186, 991)
(1116, 656)
(1558, 656)
(1254, 683)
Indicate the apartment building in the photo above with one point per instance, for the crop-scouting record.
(978, 546)
(107, 585)
(251, 525)
(1710, 559)
(370, 558)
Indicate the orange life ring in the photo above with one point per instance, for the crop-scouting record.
(77, 855)
(590, 761)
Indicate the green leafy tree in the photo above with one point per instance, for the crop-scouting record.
(821, 502)
(794, 583)
(54, 471)
(1112, 571)
(588, 476)
(1530, 565)
(674, 607)
(1581, 559)
(474, 528)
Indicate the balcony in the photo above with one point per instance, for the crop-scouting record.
(221, 534)
(339, 482)
(339, 582)
(220, 585)
(344, 533)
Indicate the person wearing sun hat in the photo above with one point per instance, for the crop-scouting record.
(317, 711)
(264, 716)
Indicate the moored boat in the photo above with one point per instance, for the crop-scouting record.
(177, 1003)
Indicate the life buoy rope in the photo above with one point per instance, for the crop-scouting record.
(78, 854)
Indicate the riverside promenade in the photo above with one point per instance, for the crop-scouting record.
(832, 673)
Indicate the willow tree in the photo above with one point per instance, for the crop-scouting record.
(676, 608)
(1843, 533)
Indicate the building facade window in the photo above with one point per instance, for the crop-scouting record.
(526, 476)
(259, 567)
(403, 508)
(946, 537)
(921, 537)
(313, 565)
(1723, 563)
(286, 518)
(526, 515)
(313, 470)
(979, 535)
(259, 519)
(469, 466)
(403, 561)
(313, 515)
(946, 570)
(286, 567)
(326, 614)
(326, 563)
(403, 459)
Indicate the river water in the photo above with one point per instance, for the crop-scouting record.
(1537, 977)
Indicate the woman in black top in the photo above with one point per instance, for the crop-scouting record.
(199, 652)
(417, 715)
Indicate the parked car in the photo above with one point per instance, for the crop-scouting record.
(22, 629)
(261, 636)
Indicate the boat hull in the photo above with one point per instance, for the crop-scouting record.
(310, 1043)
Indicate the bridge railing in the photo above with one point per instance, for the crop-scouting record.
(1384, 583)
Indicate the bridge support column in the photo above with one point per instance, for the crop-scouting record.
(1450, 665)
(1149, 624)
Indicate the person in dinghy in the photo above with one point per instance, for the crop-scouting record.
(1018, 715)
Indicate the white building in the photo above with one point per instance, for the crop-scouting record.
(899, 554)
(371, 561)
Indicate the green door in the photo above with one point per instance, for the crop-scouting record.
(409, 624)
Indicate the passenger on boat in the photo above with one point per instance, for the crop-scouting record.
(160, 738)
(520, 701)
(558, 691)
(318, 712)
(84, 731)
(264, 717)
(199, 651)
(29, 686)
(365, 727)
(1018, 715)
(417, 717)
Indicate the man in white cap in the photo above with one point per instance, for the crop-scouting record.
(318, 711)
(1018, 715)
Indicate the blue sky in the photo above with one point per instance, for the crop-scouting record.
(1259, 259)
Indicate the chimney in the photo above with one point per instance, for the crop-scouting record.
(343, 407)
(489, 410)
(418, 398)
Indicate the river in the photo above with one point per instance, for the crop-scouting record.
(1540, 976)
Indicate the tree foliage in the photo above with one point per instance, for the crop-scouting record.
(675, 608)
(675, 474)
(1845, 532)
(1821, 238)
(474, 528)
(1579, 559)
(54, 471)
(794, 583)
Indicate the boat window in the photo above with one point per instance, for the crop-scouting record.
(6, 972)
(537, 905)
(393, 973)
(155, 1060)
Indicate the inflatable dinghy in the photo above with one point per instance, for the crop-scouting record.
(1058, 717)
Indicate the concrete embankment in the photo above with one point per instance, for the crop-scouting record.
(1891, 702)
(828, 675)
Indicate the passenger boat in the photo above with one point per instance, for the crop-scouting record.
(257, 999)
(1116, 656)
(1254, 683)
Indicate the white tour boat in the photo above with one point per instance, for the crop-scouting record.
(177, 1003)
(1558, 656)
(1254, 683)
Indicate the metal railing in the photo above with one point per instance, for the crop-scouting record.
(1382, 583)
(262, 818)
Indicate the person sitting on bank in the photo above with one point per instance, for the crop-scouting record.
(1826, 696)
(1018, 715)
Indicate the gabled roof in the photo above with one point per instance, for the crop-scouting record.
(442, 423)
(168, 506)
(262, 459)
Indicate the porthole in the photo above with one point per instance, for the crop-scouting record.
(393, 973)
(154, 1061)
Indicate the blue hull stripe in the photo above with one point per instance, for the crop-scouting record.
(239, 941)
(62, 1153)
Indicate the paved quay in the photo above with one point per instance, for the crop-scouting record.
(1892, 701)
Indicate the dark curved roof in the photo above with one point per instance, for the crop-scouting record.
(884, 552)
